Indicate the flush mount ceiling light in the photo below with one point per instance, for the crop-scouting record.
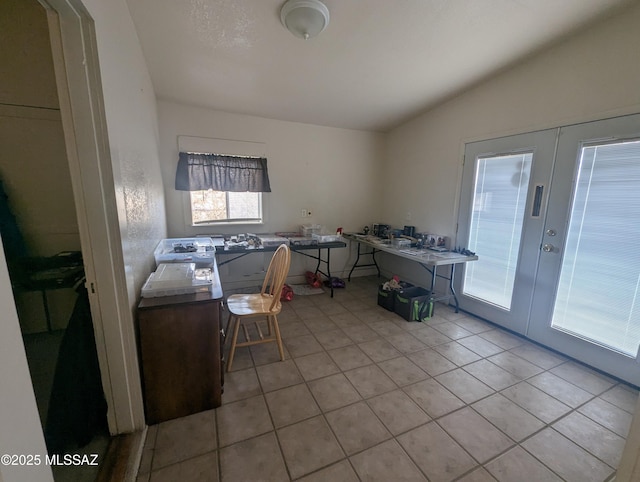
(304, 18)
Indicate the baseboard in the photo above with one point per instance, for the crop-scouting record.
(123, 456)
(232, 285)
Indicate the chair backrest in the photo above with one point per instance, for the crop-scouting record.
(277, 274)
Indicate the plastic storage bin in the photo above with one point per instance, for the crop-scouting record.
(269, 241)
(309, 230)
(326, 238)
(185, 250)
(171, 279)
(401, 243)
(414, 304)
(302, 241)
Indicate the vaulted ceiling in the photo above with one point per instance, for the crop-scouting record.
(378, 63)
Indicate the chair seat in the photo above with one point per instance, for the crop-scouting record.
(252, 304)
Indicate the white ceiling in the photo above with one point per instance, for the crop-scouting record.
(378, 63)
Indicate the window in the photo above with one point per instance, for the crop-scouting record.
(223, 188)
(597, 296)
(211, 207)
(495, 229)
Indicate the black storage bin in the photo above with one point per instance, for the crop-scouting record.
(386, 298)
(414, 304)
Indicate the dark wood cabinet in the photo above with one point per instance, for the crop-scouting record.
(181, 358)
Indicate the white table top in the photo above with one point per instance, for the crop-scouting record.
(424, 256)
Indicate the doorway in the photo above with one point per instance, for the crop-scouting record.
(554, 217)
(35, 170)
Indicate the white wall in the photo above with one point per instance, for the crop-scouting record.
(335, 173)
(33, 161)
(21, 431)
(595, 74)
(131, 116)
(33, 166)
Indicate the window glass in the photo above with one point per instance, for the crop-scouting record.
(500, 195)
(597, 296)
(211, 207)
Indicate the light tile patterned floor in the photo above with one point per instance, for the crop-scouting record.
(365, 395)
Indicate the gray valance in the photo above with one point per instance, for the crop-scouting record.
(200, 172)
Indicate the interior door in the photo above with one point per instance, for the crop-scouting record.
(502, 204)
(586, 300)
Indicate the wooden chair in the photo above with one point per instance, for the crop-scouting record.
(265, 304)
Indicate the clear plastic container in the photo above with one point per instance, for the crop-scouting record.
(199, 250)
(171, 279)
(401, 243)
(308, 230)
(272, 240)
(327, 238)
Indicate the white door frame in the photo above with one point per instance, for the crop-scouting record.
(77, 72)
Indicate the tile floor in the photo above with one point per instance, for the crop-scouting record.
(365, 395)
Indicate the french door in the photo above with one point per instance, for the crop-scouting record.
(554, 217)
(496, 223)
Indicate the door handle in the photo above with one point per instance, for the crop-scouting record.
(548, 248)
(550, 232)
(537, 201)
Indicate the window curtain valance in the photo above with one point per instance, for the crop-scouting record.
(200, 172)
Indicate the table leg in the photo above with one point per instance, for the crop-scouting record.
(356, 263)
(328, 268)
(375, 263)
(433, 279)
(47, 314)
(373, 258)
(453, 291)
(434, 275)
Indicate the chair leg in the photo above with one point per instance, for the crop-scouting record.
(226, 330)
(274, 320)
(236, 327)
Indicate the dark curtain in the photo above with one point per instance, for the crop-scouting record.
(200, 172)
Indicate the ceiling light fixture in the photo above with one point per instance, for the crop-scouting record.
(305, 18)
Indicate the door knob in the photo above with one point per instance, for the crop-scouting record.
(551, 232)
(548, 248)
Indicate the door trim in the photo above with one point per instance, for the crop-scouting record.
(77, 73)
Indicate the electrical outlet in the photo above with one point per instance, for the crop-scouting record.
(304, 213)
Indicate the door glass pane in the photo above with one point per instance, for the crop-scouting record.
(598, 296)
(500, 196)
